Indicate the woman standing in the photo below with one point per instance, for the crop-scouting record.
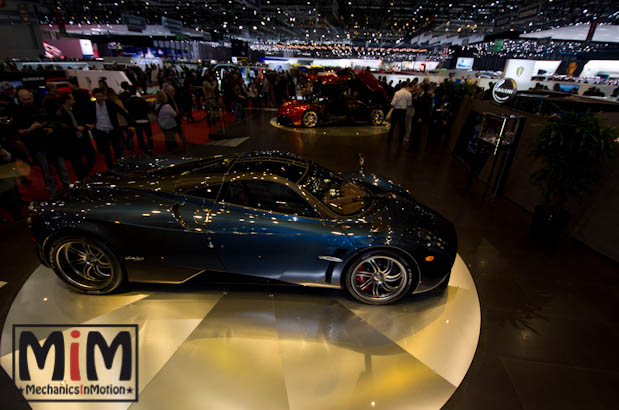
(209, 88)
(167, 119)
(125, 134)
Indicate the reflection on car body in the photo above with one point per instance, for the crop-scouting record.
(265, 214)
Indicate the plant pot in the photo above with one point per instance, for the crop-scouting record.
(548, 224)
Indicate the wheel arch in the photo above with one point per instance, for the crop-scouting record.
(54, 236)
(410, 259)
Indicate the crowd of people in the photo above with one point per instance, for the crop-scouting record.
(52, 129)
(419, 109)
(412, 105)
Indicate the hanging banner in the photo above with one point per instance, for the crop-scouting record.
(498, 45)
(134, 23)
(175, 26)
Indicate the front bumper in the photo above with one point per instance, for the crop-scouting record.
(284, 120)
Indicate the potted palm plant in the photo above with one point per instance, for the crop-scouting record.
(571, 148)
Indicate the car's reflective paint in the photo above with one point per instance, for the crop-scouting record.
(164, 235)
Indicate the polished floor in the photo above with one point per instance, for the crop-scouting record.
(227, 346)
(548, 317)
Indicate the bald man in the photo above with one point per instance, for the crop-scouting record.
(33, 129)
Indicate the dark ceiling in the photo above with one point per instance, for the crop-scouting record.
(374, 21)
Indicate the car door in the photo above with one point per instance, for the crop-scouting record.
(190, 243)
(262, 226)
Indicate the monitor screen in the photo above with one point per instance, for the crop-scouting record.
(464, 63)
(569, 88)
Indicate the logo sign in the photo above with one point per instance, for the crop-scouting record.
(519, 71)
(76, 362)
(504, 90)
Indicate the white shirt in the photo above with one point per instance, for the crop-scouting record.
(103, 118)
(402, 99)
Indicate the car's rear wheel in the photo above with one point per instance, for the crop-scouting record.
(86, 264)
(377, 116)
(310, 119)
(379, 277)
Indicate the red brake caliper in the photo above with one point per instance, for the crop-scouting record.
(361, 279)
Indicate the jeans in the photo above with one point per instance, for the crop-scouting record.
(126, 139)
(103, 140)
(43, 159)
(82, 148)
(170, 139)
(397, 117)
(142, 130)
(181, 134)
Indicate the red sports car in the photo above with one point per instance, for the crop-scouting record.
(349, 96)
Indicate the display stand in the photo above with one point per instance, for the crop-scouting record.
(494, 135)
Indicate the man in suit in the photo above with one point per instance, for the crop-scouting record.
(81, 108)
(104, 124)
(75, 137)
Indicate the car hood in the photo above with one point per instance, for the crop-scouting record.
(293, 106)
(398, 221)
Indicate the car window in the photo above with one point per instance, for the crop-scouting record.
(266, 195)
(283, 169)
(205, 192)
(342, 196)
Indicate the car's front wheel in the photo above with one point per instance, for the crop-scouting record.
(377, 116)
(379, 277)
(310, 119)
(86, 264)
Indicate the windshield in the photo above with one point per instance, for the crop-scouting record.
(342, 196)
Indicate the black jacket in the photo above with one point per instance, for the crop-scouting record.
(138, 107)
(63, 124)
(113, 110)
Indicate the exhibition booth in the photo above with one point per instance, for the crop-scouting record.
(529, 113)
(274, 215)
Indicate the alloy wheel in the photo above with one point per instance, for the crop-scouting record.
(310, 119)
(378, 279)
(83, 264)
(378, 117)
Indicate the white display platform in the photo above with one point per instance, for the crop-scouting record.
(272, 347)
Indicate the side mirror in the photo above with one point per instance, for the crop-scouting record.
(361, 161)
